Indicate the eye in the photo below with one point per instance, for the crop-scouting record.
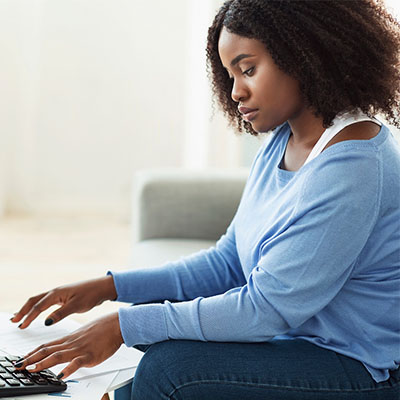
(249, 72)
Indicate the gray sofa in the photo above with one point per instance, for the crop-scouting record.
(176, 212)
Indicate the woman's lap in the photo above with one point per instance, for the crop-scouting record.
(284, 369)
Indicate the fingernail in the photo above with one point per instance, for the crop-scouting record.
(48, 322)
(19, 363)
(19, 326)
(59, 376)
(31, 367)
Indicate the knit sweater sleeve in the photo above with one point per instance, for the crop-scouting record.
(205, 273)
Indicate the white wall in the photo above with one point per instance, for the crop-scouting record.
(94, 90)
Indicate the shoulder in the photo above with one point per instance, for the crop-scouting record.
(349, 174)
(364, 130)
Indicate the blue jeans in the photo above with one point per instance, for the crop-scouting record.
(277, 370)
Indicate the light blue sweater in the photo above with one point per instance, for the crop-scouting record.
(311, 254)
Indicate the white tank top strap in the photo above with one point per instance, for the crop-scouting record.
(340, 122)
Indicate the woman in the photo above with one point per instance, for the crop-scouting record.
(300, 298)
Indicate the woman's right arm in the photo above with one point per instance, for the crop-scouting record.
(75, 298)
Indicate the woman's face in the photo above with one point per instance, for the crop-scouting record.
(266, 96)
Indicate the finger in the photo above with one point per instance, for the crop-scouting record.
(73, 366)
(46, 357)
(26, 307)
(60, 314)
(43, 348)
(58, 357)
(36, 309)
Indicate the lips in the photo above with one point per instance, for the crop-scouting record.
(248, 113)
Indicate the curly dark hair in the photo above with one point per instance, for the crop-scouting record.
(343, 53)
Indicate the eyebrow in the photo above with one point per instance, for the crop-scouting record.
(239, 58)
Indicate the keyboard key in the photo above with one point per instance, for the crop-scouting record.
(2, 383)
(27, 382)
(6, 364)
(6, 375)
(54, 381)
(13, 382)
(12, 358)
(40, 381)
(19, 375)
(47, 373)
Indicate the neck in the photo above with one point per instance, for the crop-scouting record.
(306, 129)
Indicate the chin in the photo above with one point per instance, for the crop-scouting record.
(256, 126)
(264, 128)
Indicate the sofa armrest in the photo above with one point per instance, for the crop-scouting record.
(178, 203)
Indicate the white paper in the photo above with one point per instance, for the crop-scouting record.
(123, 378)
(19, 342)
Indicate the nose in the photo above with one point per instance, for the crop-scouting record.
(239, 91)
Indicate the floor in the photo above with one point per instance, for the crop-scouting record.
(40, 253)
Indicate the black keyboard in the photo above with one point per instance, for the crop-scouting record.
(20, 383)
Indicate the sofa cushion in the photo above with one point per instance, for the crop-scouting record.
(153, 252)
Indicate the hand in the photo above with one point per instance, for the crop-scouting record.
(76, 298)
(86, 347)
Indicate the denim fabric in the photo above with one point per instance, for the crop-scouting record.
(277, 370)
